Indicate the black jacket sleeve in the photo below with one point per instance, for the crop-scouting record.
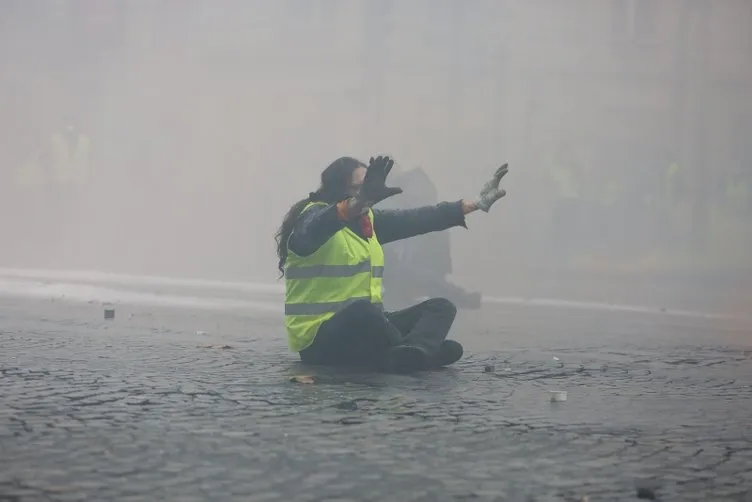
(314, 227)
(397, 224)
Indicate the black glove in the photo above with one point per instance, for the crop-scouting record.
(374, 188)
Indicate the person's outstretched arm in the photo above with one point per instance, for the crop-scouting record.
(395, 224)
(314, 227)
(320, 222)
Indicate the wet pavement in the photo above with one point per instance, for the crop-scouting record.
(145, 408)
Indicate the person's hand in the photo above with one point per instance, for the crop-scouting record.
(491, 192)
(374, 188)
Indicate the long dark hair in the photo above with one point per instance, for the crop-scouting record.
(335, 180)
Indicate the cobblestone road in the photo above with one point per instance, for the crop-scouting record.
(134, 409)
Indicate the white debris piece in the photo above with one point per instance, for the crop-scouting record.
(558, 395)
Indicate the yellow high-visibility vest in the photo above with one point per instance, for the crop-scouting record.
(674, 174)
(70, 163)
(345, 269)
(737, 193)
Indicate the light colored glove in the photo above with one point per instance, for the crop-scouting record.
(491, 191)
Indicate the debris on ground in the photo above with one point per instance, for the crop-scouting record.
(558, 396)
(489, 368)
(304, 379)
(213, 346)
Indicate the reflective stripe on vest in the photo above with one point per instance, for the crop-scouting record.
(313, 271)
(346, 269)
(321, 308)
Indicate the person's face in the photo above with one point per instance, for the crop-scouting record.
(356, 181)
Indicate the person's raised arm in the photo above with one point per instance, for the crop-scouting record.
(318, 223)
(373, 190)
(314, 227)
(396, 224)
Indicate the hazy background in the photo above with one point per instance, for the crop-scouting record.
(207, 119)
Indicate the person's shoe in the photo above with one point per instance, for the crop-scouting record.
(449, 353)
(407, 358)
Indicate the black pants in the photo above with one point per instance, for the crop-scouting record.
(361, 333)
